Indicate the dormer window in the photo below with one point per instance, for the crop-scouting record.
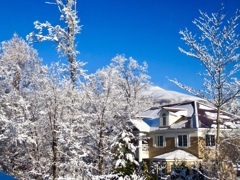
(164, 119)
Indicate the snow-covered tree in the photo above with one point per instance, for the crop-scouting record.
(61, 144)
(19, 66)
(217, 49)
(124, 154)
(134, 80)
(102, 105)
(63, 36)
(108, 112)
(18, 61)
(40, 117)
(49, 130)
(233, 107)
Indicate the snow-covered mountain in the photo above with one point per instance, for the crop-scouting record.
(163, 96)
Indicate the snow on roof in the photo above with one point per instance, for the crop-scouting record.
(176, 155)
(215, 126)
(174, 109)
(149, 114)
(230, 124)
(180, 124)
(184, 110)
(154, 128)
(201, 106)
(211, 115)
(140, 125)
(180, 113)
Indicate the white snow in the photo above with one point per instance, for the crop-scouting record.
(230, 124)
(149, 114)
(213, 116)
(181, 110)
(181, 124)
(177, 155)
(140, 125)
(162, 95)
(201, 106)
(130, 157)
(120, 162)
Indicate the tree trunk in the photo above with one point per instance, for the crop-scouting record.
(17, 80)
(53, 146)
(217, 153)
(218, 126)
(100, 153)
(54, 167)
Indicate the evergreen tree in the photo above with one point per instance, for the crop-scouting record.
(124, 155)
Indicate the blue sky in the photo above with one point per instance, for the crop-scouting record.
(147, 30)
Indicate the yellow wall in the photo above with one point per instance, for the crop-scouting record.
(170, 146)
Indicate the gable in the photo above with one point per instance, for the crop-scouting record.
(179, 115)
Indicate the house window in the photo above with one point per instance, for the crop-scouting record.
(182, 140)
(164, 119)
(159, 141)
(210, 140)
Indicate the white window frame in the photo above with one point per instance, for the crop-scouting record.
(177, 141)
(155, 141)
(166, 116)
(210, 146)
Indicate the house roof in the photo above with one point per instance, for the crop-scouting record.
(181, 109)
(179, 124)
(151, 113)
(177, 155)
(191, 114)
(207, 116)
(140, 125)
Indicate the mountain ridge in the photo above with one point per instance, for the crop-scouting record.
(163, 96)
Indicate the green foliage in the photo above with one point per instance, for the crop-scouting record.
(124, 154)
(179, 165)
(145, 172)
